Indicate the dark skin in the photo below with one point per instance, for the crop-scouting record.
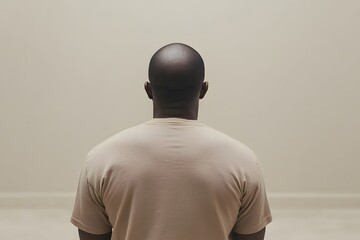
(88, 236)
(176, 75)
(254, 236)
(173, 110)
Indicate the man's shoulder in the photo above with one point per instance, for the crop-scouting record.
(122, 137)
(116, 141)
(225, 139)
(102, 156)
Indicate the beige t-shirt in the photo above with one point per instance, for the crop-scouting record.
(171, 178)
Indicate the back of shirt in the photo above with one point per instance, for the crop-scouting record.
(173, 179)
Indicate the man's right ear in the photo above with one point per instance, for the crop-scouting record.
(148, 90)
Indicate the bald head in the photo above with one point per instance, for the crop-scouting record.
(176, 75)
(176, 66)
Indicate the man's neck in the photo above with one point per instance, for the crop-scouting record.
(189, 117)
(190, 114)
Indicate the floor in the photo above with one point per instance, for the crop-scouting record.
(294, 224)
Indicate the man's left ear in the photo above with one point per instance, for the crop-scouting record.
(148, 90)
(203, 90)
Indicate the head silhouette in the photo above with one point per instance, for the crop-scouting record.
(176, 75)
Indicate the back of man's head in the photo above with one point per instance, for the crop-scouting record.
(176, 72)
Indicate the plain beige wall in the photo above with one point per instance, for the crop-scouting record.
(284, 79)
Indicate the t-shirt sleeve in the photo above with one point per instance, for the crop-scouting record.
(89, 212)
(254, 213)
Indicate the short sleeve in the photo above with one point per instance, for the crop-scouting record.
(254, 213)
(89, 212)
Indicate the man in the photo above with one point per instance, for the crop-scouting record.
(172, 177)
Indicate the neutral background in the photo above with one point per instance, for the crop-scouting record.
(284, 79)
